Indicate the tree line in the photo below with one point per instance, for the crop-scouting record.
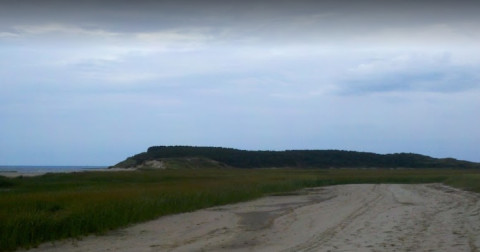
(296, 158)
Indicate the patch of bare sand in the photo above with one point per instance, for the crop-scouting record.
(33, 174)
(336, 218)
(18, 174)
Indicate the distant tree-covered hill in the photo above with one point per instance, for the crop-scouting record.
(229, 157)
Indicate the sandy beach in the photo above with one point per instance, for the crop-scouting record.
(13, 174)
(430, 217)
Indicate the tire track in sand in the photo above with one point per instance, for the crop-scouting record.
(321, 238)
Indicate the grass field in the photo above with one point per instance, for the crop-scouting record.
(58, 206)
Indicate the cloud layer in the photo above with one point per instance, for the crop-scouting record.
(93, 82)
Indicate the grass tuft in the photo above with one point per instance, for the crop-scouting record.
(5, 182)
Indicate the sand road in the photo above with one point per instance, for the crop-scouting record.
(337, 218)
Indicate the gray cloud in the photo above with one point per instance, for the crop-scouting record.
(410, 73)
(266, 20)
(429, 81)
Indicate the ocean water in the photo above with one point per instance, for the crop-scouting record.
(43, 169)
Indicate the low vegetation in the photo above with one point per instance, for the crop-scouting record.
(58, 206)
(470, 182)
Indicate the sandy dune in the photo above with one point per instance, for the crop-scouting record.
(337, 218)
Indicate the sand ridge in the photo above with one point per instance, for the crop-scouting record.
(428, 217)
(33, 174)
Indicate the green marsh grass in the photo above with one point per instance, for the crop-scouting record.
(34, 210)
(470, 182)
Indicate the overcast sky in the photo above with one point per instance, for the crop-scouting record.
(93, 82)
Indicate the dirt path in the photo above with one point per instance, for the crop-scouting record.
(337, 218)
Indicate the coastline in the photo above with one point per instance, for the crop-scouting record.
(14, 174)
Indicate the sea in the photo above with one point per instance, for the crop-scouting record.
(46, 169)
